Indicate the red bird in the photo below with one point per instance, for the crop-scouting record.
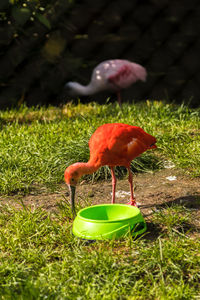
(113, 75)
(114, 144)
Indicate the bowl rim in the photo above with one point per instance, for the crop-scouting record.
(139, 215)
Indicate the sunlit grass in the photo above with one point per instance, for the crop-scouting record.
(41, 259)
(37, 144)
(39, 256)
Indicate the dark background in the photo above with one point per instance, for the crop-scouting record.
(44, 44)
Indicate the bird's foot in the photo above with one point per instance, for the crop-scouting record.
(132, 202)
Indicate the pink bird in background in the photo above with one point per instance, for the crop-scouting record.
(113, 75)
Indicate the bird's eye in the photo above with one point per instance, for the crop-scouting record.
(72, 180)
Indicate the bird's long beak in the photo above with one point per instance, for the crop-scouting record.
(72, 190)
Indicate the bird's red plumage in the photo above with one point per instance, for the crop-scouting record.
(118, 144)
(113, 144)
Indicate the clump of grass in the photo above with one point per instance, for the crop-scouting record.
(37, 144)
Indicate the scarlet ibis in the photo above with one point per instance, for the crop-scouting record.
(113, 75)
(113, 144)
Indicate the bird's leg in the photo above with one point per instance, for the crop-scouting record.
(130, 179)
(113, 183)
(119, 98)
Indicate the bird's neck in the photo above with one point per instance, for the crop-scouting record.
(86, 168)
(84, 90)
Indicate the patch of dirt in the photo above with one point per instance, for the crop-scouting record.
(152, 191)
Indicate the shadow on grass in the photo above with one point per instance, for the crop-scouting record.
(190, 203)
(153, 231)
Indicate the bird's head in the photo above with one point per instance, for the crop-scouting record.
(72, 175)
(71, 88)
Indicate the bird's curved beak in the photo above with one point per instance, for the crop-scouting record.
(72, 190)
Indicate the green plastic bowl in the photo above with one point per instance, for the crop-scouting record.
(108, 221)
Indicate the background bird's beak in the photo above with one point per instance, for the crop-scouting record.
(72, 190)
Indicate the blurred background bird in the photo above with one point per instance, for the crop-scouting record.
(112, 75)
(113, 144)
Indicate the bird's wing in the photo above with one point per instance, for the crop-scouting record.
(126, 75)
(117, 144)
(129, 141)
(109, 144)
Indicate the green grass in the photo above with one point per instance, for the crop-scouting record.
(37, 144)
(40, 259)
(39, 256)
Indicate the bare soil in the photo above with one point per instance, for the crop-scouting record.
(152, 190)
